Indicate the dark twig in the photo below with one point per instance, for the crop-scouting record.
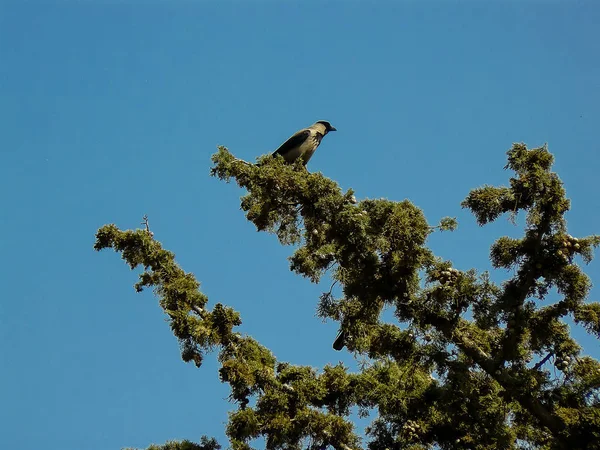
(332, 285)
(543, 361)
(147, 225)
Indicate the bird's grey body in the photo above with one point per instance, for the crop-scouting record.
(303, 143)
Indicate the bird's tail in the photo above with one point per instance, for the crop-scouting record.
(340, 341)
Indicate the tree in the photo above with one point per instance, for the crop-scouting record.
(490, 345)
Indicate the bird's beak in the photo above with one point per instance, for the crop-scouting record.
(332, 129)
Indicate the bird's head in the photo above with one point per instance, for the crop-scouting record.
(327, 126)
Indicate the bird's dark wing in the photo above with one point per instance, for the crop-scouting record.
(293, 142)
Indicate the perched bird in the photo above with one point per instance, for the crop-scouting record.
(303, 143)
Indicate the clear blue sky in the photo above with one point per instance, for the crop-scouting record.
(111, 110)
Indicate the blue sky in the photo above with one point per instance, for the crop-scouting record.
(111, 110)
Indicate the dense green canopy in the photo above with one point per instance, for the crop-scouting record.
(468, 363)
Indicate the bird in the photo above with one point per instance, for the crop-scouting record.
(303, 143)
(340, 341)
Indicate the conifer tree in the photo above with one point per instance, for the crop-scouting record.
(470, 363)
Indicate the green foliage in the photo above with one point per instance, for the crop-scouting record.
(197, 329)
(469, 362)
(448, 224)
(205, 444)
